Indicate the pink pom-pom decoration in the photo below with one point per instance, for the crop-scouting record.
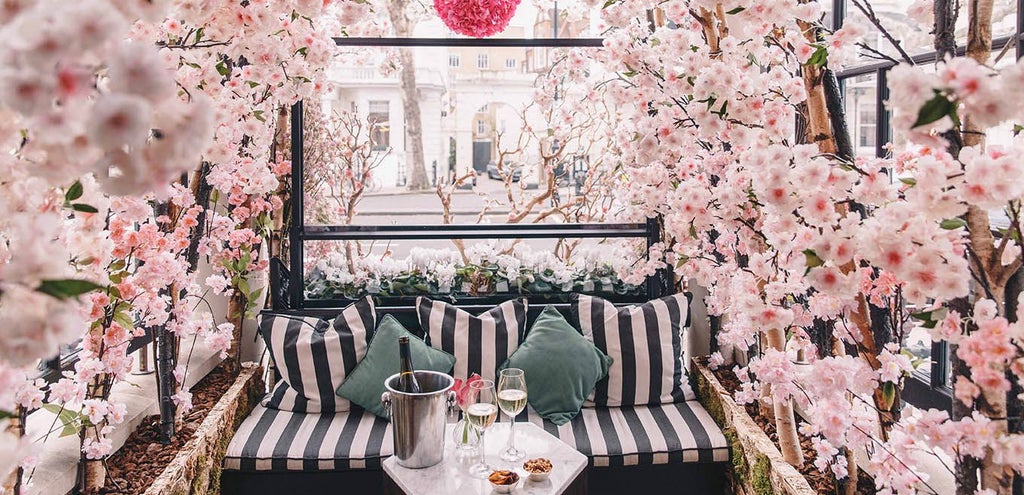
(476, 18)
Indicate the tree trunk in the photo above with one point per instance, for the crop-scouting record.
(12, 484)
(92, 473)
(979, 47)
(236, 315)
(785, 419)
(414, 161)
(93, 476)
(167, 385)
(1014, 406)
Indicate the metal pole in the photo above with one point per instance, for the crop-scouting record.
(298, 220)
(883, 128)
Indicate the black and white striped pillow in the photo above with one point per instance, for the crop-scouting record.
(314, 356)
(645, 344)
(479, 343)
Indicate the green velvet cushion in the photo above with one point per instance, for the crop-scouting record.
(561, 366)
(365, 384)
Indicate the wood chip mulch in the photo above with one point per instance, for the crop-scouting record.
(142, 458)
(819, 481)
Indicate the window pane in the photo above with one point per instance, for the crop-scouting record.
(861, 113)
(483, 128)
(913, 28)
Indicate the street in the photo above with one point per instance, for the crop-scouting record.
(397, 206)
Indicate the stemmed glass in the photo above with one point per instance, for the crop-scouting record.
(481, 411)
(512, 401)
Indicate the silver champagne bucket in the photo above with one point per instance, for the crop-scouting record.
(418, 420)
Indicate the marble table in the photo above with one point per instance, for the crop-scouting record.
(451, 476)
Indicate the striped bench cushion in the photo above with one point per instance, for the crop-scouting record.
(272, 440)
(640, 435)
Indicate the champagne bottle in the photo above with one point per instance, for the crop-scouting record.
(407, 378)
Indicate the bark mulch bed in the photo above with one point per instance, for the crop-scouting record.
(819, 481)
(142, 458)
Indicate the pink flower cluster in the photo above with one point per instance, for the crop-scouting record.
(476, 18)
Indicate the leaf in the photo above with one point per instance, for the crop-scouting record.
(930, 318)
(84, 208)
(813, 260)
(737, 10)
(67, 288)
(125, 320)
(223, 69)
(908, 181)
(74, 192)
(953, 223)
(1017, 128)
(888, 395)
(935, 109)
(819, 57)
(68, 430)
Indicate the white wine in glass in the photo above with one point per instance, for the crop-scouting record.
(512, 401)
(481, 415)
(481, 411)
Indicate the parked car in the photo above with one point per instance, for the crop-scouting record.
(516, 169)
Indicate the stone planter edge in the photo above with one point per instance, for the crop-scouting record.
(196, 469)
(758, 466)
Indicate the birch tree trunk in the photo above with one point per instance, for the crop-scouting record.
(785, 419)
(987, 258)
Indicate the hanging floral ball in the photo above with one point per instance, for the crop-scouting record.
(476, 18)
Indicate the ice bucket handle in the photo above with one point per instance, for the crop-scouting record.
(385, 400)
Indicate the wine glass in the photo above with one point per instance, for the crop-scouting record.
(481, 411)
(512, 401)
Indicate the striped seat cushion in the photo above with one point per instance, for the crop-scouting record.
(479, 343)
(314, 356)
(273, 440)
(641, 435)
(645, 344)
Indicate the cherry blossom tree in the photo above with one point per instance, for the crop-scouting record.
(787, 229)
(97, 132)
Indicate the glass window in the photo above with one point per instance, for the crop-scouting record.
(861, 112)
(468, 119)
(453, 60)
(482, 62)
(510, 63)
(379, 119)
(913, 28)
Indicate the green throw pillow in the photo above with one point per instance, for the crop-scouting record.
(365, 384)
(561, 367)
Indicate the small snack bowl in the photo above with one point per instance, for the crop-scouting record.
(503, 481)
(539, 469)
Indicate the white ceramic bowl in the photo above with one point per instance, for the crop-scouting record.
(504, 488)
(539, 476)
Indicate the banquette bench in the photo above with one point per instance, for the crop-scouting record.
(672, 447)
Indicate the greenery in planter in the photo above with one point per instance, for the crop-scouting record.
(440, 272)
